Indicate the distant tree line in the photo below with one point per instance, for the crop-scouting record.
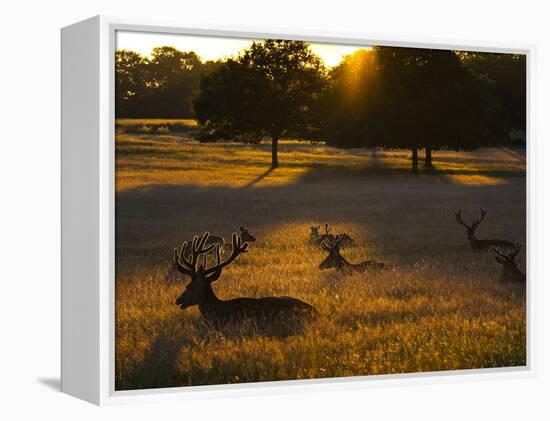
(162, 86)
(388, 97)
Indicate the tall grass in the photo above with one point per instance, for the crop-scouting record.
(439, 308)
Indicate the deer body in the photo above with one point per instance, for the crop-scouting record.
(475, 243)
(336, 261)
(347, 267)
(219, 313)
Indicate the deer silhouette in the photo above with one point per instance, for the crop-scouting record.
(336, 261)
(480, 245)
(219, 313)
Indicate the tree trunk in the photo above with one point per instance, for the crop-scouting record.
(415, 158)
(274, 150)
(428, 157)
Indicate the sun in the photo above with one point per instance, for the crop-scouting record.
(215, 48)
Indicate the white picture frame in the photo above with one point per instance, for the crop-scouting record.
(88, 220)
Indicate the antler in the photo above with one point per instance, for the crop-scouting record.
(326, 245)
(197, 248)
(339, 238)
(458, 217)
(510, 256)
(499, 252)
(476, 222)
(239, 247)
(329, 245)
(327, 229)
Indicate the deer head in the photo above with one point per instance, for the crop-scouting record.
(510, 272)
(470, 229)
(314, 230)
(246, 236)
(202, 277)
(334, 259)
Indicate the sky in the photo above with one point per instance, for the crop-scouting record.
(212, 48)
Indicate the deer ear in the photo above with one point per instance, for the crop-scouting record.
(499, 260)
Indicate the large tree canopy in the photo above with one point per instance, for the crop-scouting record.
(269, 90)
(405, 98)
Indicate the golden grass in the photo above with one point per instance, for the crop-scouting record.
(439, 308)
(145, 159)
(155, 121)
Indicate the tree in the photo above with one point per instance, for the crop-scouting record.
(175, 77)
(160, 86)
(404, 98)
(131, 77)
(269, 90)
(507, 76)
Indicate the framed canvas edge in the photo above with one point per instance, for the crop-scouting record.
(108, 395)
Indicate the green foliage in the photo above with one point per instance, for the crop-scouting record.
(507, 74)
(401, 97)
(131, 82)
(161, 86)
(268, 91)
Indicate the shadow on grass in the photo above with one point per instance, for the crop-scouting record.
(158, 368)
(259, 178)
(152, 219)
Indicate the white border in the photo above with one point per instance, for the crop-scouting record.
(108, 27)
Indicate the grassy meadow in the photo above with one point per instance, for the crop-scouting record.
(440, 307)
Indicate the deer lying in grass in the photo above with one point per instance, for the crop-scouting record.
(317, 239)
(510, 272)
(337, 261)
(480, 245)
(219, 313)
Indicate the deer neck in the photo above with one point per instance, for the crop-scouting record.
(512, 274)
(210, 302)
(474, 242)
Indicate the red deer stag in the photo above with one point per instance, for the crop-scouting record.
(266, 311)
(480, 245)
(337, 261)
(317, 239)
(510, 272)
